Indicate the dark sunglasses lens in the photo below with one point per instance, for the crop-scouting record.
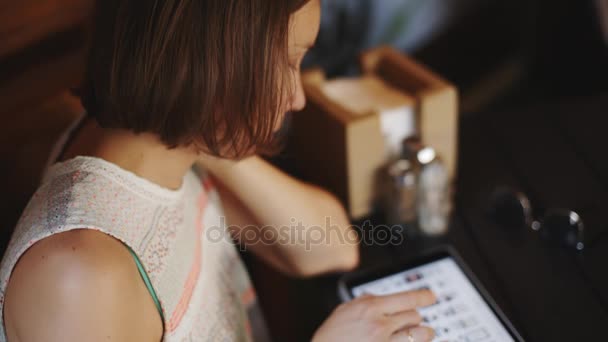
(509, 208)
(563, 227)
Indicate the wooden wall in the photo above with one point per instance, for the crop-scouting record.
(42, 52)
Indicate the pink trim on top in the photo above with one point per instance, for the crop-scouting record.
(195, 270)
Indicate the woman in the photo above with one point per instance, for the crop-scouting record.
(120, 242)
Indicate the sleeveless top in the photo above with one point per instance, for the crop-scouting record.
(179, 239)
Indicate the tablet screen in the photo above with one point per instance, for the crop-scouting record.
(461, 313)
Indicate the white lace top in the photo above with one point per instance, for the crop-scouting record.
(203, 288)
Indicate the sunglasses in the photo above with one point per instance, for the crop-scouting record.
(512, 209)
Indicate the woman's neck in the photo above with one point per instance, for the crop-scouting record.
(143, 154)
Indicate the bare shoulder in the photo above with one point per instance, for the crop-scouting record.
(78, 285)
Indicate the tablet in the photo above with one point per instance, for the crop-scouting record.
(464, 311)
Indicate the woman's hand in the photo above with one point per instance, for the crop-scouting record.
(383, 318)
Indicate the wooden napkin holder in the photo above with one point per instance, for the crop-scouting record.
(337, 142)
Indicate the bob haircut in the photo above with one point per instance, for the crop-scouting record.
(207, 73)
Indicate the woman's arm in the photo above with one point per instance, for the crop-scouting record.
(79, 286)
(310, 230)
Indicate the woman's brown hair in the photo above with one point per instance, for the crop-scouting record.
(204, 72)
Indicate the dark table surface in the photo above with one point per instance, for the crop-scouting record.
(555, 154)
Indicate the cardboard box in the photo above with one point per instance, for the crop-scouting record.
(337, 142)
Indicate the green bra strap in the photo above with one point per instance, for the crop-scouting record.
(146, 279)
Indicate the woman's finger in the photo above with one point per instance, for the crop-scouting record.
(403, 301)
(416, 334)
(403, 320)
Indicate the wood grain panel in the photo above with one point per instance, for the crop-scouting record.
(24, 22)
(42, 55)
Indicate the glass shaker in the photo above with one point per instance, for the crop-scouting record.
(434, 200)
(401, 196)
